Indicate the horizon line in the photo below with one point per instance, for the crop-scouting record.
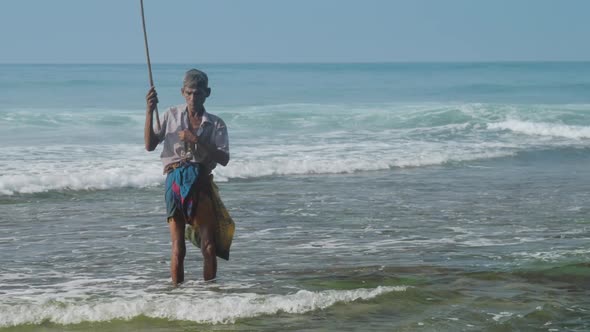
(302, 62)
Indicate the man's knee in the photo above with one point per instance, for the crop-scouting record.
(208, 249)
(178, 250)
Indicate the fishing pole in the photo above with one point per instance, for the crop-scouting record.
(147, 52)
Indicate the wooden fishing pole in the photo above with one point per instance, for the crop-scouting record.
(147, 53)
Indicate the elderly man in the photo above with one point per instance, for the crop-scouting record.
(194, 142)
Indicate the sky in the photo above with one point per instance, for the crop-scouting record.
(247, 31)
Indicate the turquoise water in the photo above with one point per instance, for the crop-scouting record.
(412, 197)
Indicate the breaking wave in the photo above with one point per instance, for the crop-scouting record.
(212, 309)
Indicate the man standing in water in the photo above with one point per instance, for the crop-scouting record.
(195, 141)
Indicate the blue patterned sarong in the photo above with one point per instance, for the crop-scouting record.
(180, 184)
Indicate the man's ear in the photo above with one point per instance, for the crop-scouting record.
(208, 92)
(182, 91)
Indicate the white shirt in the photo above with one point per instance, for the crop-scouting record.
(212, 131)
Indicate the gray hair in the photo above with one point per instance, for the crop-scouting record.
(195, 77)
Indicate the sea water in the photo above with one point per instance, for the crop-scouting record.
(404, 196)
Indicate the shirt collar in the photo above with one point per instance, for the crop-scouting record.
(205, 114)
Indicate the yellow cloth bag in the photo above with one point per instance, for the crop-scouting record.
(225, 227)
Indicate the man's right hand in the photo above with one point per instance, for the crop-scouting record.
(151, 99)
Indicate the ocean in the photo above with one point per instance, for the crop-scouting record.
(367, 197)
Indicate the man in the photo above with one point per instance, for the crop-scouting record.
(194, 142)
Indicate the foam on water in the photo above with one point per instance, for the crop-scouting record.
(553, 255)
(140, 171)
(109, 178)
(290, 139)
(209, 308)
(543, 129)
(62, 167)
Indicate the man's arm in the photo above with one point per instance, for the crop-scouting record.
(219, 156)
(149, 136)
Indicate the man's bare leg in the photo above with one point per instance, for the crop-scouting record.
(205, 220)
(176, 226)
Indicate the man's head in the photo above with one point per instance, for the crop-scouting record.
(195, 89)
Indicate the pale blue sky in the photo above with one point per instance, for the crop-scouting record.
(199, 31)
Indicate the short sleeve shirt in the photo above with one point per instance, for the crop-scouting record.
(212, 131)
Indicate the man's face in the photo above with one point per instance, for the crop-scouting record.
(195, 97)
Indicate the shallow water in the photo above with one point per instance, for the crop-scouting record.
(420, 215)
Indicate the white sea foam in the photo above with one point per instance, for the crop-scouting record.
(209, 308)
(542, 129)
(342, 158)
(344, 139)
(502, 316)
(98, 179)
(76, 167)
(113, 167)
(552, 256)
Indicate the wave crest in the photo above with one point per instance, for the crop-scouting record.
(224, 310)
(73, 179)
(542, 129)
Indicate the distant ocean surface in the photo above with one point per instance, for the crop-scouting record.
(373, 197)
